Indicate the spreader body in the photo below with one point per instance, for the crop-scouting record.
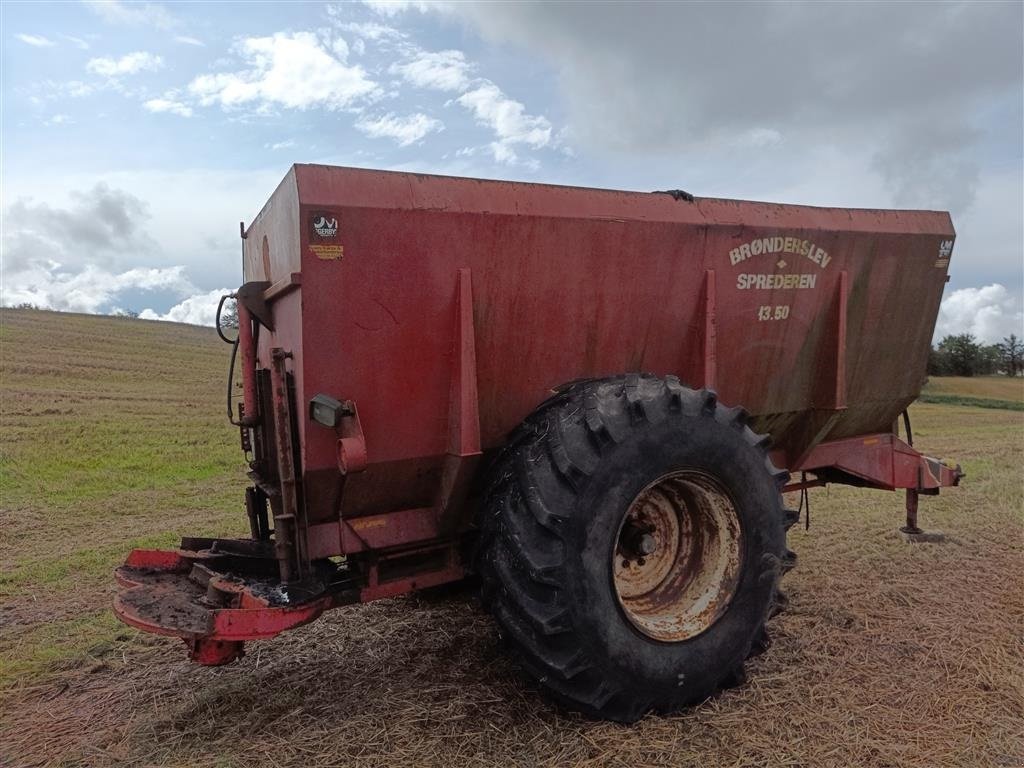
(396, 328)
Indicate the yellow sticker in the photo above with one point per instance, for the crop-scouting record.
(327, 252)
(373, 522)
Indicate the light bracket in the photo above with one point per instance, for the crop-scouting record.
(325, 410)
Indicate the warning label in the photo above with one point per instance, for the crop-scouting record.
(327, 252)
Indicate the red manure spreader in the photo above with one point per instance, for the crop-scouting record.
(589, 400)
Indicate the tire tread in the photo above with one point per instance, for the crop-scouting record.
(520, 555)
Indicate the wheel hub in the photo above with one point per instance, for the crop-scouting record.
(637, 540)
(678, 556)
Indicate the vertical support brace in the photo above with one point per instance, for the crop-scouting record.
(710, 350)
(830, 383)
(839, 392)
(287, 547)
(911, 526)
(464, 401)
(256, 509)
(463, 450)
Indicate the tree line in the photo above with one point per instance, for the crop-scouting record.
(962, 355)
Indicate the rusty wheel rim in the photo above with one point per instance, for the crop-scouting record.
(678, 556)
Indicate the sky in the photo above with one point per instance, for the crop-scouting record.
(135, 136)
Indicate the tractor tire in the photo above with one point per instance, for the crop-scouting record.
(631, 539)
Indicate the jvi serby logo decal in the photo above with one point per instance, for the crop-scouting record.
(325, 227)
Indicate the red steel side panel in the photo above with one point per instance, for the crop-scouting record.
(817, 320)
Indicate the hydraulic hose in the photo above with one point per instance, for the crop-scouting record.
(906, 427)
(231, 379)
(220, 330)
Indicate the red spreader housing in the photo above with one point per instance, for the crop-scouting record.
(396, 327)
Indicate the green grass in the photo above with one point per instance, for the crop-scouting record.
(106, 421)
(999, 392)
(51, 647)
(113, 438)
(95, 457)
(77, 568)
(972, 402)
(974, 389)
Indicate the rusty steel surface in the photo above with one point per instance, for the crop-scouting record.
(678, 557)
(817, 320)
(172, 592)
(289, 530)
(882, 461)
(441, 311)
(246, 343)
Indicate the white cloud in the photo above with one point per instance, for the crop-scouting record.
(392, 8)
(448, 70)
(186, 40)
(37, 41)
(988, 242)
(77, 41)
(291, 70)
(59, 119)
(626, 88)
(123, 224)
(369, 30)
(81, 257)
(286, 144)
(48, 285)
(200, 309)
(404, 130)
(170, 105)
(133, 14)
(508, 119)
(77, 89)
(129, 64)
(440, 70)
(759, 138)
(989, 313)
(503, 153)
(104, 225)
(49, 90)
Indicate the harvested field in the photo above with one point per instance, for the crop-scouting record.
(113, 437)
(1003, 392)
(988, 387)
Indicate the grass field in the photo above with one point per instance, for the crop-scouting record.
(113, 436)
(1002, 392)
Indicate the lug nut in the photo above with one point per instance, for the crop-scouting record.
(636, 542)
